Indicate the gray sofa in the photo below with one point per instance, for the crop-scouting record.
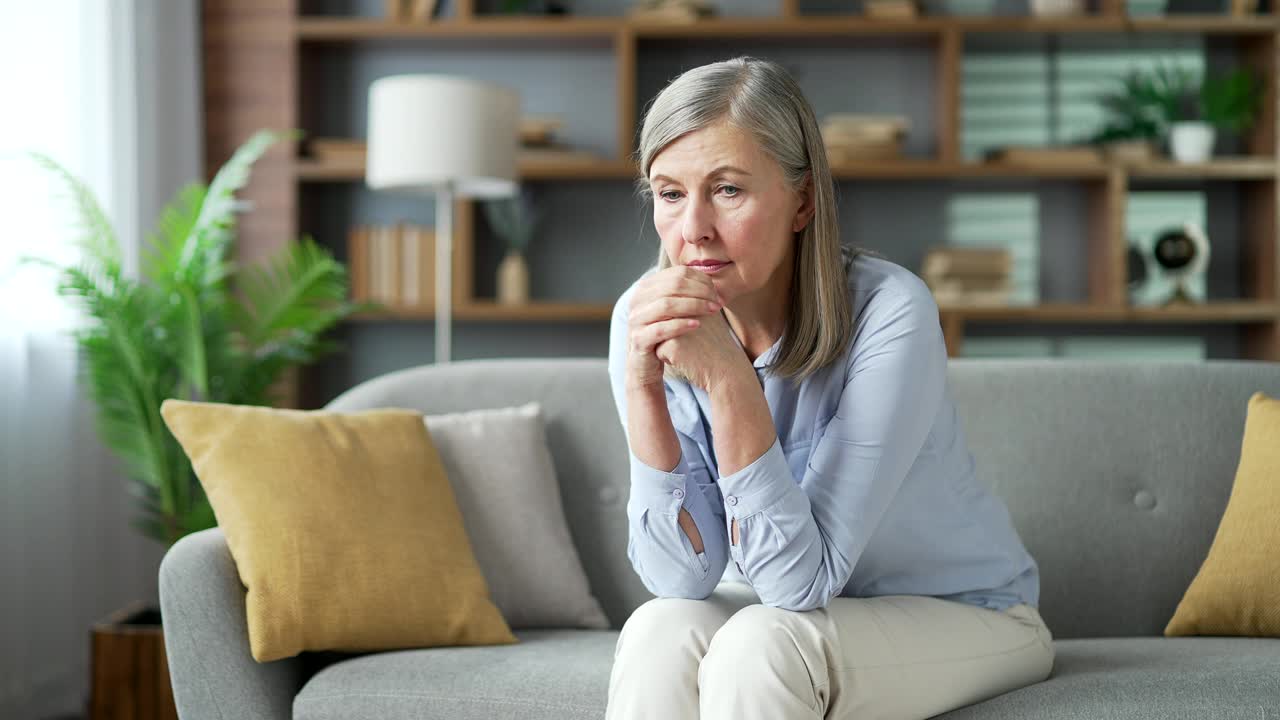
(1116, 475)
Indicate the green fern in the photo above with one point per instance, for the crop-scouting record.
(180, 331)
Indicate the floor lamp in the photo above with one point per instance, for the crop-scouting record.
(448, 137)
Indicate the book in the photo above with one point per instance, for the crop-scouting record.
(358, 262)
(421, 10)
(945, 261)
(557, 154)
(409, 267)
(891, 9)
(1065, 155)
(963, 285)
(338, 151)
(426, 241)
(1001, 297)
(385, 260)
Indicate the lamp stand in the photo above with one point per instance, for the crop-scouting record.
(444, 271)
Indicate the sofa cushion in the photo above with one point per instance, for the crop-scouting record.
(343, 527)
(1236, 590)
(551, 674)
(505, 482)
(564, 674)
(1147, 679)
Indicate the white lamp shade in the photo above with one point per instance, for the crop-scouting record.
(431, 131)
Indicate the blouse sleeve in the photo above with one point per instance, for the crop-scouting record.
(658, 548)
(799, 543)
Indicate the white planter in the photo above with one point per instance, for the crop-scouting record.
(1056, 8)
(513, 279)
(1191, 142)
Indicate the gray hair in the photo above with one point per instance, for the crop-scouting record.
(761, 98)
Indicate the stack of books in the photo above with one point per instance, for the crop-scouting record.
(393, 264)
(337, 152)
(671, 10)
(410, 10)
(891, 9)
(852, 137)
(969, 275)
(538, 142)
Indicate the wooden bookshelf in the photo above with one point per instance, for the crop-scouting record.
(255, 51)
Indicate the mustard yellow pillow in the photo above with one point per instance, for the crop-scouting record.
(343, 527)
(1237, 591)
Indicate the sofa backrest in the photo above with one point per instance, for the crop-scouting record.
(1115, 473)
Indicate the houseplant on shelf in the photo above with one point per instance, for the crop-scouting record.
(180, 332)
(1170, 102)
(514, 220)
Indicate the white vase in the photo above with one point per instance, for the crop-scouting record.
(513, 279)
(1056, 8)
(1191, 142)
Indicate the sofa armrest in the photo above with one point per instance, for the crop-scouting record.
(206, 638)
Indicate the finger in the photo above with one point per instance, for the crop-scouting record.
(693, 283)
(672, 306)
(644, 339)
(679, 281)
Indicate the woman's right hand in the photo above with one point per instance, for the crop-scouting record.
(665, 304)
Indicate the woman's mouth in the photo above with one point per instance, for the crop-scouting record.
(710, 268)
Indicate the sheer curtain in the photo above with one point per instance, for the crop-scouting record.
(109, 89)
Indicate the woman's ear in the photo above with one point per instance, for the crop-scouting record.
(804, 213)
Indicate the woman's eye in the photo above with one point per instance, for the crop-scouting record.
(727, 188)
(667, 195)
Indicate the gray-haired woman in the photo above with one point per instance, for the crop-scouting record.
(803, 502)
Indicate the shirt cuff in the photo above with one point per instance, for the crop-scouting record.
(656, 489)
(758, 485)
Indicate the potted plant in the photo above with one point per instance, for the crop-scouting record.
(179, 331)
(514, 220)
(1174, 103)
(1134, 119)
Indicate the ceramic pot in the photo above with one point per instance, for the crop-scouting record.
(1191, 142)
(513, 279)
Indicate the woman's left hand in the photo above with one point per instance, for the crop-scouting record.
(706, 354)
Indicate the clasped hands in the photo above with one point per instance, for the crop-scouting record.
(675, 320)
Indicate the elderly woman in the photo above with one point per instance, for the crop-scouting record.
(803, 503)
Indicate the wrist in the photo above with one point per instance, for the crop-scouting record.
(739, 378)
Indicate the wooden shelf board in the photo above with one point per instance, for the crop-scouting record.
(333, 29)
(905, 169)
(487, 310)
(1232, 311)
(1233, 168)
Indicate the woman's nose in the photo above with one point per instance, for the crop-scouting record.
(697, 222)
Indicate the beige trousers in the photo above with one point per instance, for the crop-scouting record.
(895, 656)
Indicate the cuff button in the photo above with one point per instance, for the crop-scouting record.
(678, 494)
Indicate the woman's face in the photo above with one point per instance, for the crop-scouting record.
(718, 197)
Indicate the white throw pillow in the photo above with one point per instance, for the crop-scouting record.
(504, 478)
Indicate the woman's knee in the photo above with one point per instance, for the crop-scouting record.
(671, 625)
(760, 640)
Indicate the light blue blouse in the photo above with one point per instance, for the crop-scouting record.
(868, 490)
